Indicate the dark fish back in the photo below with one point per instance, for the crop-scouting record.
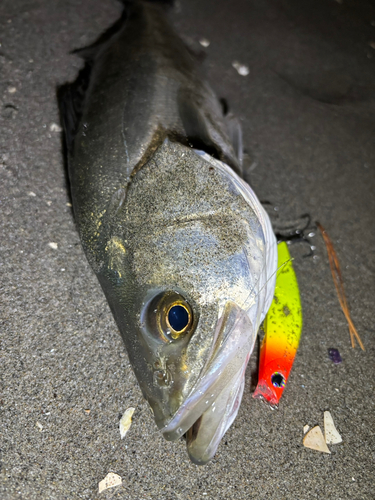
(140, 86)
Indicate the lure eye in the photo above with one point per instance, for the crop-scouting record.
(178, 318)
(278, 380)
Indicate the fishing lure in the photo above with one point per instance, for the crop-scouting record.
(282, 326)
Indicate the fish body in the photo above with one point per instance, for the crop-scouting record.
(181, 246)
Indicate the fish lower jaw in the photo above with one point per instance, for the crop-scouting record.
(204, 435)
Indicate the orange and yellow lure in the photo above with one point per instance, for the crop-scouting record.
(282, 326)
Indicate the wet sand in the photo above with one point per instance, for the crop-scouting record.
(307, 107)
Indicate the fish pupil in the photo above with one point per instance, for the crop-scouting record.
(178, 318)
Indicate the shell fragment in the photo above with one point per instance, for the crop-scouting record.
(110, 481)
(204, 42)
(314, 439)
(242, 69)
(331, 434)
(126, 421)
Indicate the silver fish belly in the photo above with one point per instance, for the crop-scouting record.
(181, 246)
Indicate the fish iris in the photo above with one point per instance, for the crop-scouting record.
(178, 318)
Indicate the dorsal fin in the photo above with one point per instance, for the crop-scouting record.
(71, 98)
(205, 127)
(234, 131)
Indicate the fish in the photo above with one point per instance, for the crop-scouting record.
(182, 248)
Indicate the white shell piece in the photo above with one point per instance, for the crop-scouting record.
(54, 127)
(40, 426)
(305, 428)
(242, 69)
(204, 42)
(331, 434)
(126, 421)
(110, 481)
(314, 439)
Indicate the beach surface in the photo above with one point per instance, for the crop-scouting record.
(300, 76)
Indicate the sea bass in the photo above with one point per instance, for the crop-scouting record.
(180, 244)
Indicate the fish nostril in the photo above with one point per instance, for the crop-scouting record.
(162, 378)
(278, 380)
(178, 317)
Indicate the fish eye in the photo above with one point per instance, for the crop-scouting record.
(169, 317)
(178, 318)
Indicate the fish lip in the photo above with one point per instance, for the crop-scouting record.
(221, 384)
(204, 436)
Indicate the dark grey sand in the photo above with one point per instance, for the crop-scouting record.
(307, 110)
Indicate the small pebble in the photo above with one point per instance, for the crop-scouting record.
(53, 245)
(40, 426)
(31, 193)
(12, 90)
(334, 355)
(372, 45)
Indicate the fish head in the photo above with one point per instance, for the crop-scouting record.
(185, 292)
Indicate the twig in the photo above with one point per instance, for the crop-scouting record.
(337, 279)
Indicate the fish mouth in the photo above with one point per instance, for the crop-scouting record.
(210, 409)
(204, 436)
